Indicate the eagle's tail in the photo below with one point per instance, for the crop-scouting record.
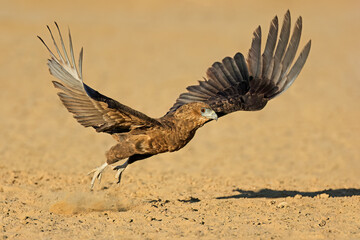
(273, 73)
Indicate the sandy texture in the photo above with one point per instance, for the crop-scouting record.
(291, 171)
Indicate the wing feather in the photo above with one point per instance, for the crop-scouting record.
(293, 46)
(295, 70)
(239, 84)
(268, 62)
(281, 47)
(90, 108)
(62, 44)
(196, 89)
(241, 64)
(217, 77)
(208, 88)
(223, 74)
(232, 68)
(254, 60)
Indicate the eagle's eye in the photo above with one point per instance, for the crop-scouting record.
(203, 110)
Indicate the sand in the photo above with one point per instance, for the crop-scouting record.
(290, 171)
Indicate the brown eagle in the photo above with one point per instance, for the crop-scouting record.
(231, 85)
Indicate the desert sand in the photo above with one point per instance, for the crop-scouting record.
(290, 171)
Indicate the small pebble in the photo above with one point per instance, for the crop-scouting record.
(324, 195)
(282, 205)
(322, 223)
(298, 196)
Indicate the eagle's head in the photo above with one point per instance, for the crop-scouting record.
(196, 112)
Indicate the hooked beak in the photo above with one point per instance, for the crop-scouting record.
(211, 115)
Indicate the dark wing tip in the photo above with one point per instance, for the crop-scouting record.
(287, 13)
(40, 39)
(307, 47)
(276, 19)
(258, 30)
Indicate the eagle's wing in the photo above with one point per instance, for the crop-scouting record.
(235, 84)
(90, 108)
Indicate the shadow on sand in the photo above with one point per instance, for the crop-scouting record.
(268, 193)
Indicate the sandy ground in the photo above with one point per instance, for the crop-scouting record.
(291, 171)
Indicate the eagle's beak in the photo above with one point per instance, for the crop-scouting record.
(211, 115)
(214, 116)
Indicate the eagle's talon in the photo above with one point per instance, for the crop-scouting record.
(120, 169)
(118, 175)
(97, 174)
(99, 177)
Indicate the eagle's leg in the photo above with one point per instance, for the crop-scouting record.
(120, 169)
(97, 174)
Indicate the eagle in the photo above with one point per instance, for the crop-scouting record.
(231, 85)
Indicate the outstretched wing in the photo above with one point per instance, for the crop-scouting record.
(235, 84)
(90, 108)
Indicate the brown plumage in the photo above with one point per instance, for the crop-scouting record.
(231, 85)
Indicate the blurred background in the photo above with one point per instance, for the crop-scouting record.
(144, 54)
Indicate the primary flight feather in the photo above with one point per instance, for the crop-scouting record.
(233, 84)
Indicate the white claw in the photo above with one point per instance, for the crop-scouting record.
(97, 174)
